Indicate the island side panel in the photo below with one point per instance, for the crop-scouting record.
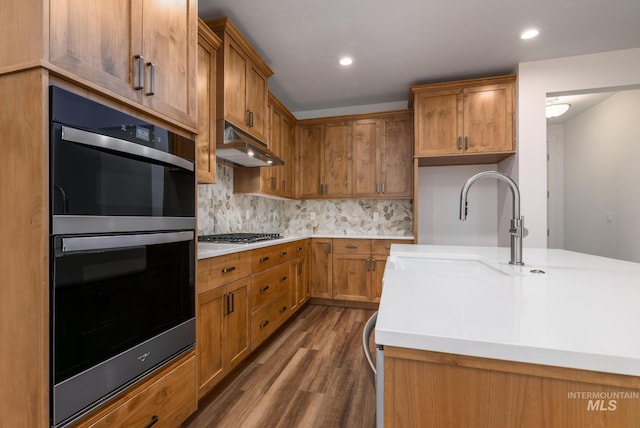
(430, 389)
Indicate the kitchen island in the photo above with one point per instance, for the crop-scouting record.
(470, 340)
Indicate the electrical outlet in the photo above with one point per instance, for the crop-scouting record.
(376, 216)
(312, 215)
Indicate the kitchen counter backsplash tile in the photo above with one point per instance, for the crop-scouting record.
(222, 211)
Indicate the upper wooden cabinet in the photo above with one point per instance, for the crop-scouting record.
(382, 156)
(324, 156)
(464, 122)
(273, 180)
(208, 43)
(142, 50)
(360, 156)
(242, 75)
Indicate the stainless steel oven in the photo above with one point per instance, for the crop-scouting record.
(122, 251)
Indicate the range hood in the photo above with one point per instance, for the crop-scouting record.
(242, 149)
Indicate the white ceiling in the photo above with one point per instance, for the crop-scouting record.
(396, 44)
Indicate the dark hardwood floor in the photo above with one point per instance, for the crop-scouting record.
(313, 374)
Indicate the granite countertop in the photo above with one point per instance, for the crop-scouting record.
(582, 312)
(207, 250)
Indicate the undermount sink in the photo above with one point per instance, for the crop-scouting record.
(445, 265)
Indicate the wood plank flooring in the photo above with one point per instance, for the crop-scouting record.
(313, 374)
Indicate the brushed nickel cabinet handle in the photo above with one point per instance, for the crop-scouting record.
(264, 289)
(154, 420)
(466, 143)
(229, 269)
(352, 246)
(233, 302)
(383, 187)
(138, 75)
(282, 309)
(373, 265)
(460, 143)
(152, 79)
(247, 119)
(377, 187)
(264, 259)
(263, 324)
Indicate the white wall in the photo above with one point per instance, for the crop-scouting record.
(601, 173)
(535, 79)
(439, 202)
(555, 178)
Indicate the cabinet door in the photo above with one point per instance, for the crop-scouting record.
(321, 268)
(336, 160)
(236, 334)
(256, 102)
(206, 138)
(366, 157)
(396, 156)
(378, 263)
(488, 118)
(212, 307)
(288, 156)
(438, 119)
(351, 277)
(169, 37)
(270, 176)
(93, 40)
(235, 84)
(310, 158)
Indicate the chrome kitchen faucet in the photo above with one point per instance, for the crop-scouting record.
(517, 222)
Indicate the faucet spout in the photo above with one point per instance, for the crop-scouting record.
(517, 221)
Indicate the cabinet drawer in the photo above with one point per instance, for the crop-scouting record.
(217, 271)
(383, 246)
(264, 258)
(268, 284)
(168, 400)
(267, 319)
(352, 246)
(300, 248)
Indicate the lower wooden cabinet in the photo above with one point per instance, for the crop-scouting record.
(349, 269)
(321, 264)
(165, 399)
(300, 291)
(222, 333)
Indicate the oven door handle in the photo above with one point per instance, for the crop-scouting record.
(111, 143)
(90, 243)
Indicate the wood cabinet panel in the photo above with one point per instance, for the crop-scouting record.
(336, 160)
(321, 274)
(216, 271)
(396, 156)
(431, 389)
(267, 319)
(96, 49)
(352, 277)
(264, 258)
(243, 76)
(310, 161)
(208, 44)
(366, 157)
(352, 246)
(464, 122)
(142, 50)
(236, 325)
(269, 283)
(166, 400)
(210, 338)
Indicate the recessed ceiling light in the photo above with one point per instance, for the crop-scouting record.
(529, 34)
(346, 61)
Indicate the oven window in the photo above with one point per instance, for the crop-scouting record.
(105, 302)
(88, 181)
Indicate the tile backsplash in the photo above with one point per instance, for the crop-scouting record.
(222, 211)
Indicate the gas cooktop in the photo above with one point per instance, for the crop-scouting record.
(239, 238)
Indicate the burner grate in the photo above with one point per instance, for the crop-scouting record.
(239, 238)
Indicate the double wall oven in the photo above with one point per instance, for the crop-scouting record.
(122, 195)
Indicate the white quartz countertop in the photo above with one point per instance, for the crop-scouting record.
(583, 312)
(207, 250)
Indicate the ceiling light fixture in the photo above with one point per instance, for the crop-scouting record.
(555, 110)
(346, 61)
(529, 34)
